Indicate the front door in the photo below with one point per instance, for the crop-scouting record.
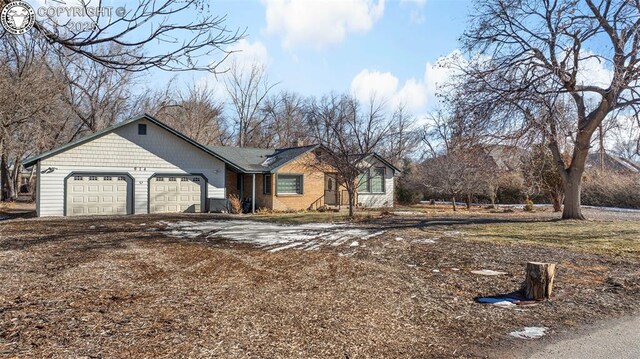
(330, 189)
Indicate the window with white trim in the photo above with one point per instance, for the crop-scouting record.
(121, 178)
(107, 178)
(372, 181)
(172, 179)
(93, 178)
(196, 179)
(289, 184)
(78, 178)
(160, 179)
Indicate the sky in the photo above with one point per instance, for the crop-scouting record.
(363, 47)
(387, 48)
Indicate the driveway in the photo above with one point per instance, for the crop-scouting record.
(617, 339)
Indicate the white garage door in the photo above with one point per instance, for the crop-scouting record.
(97, 195)
(174, 194)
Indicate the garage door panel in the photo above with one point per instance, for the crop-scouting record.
(169, 194)
(97, 195)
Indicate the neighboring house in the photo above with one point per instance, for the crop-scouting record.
(144, 166)
(612, 163)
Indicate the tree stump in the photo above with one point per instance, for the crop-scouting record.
(538, 284)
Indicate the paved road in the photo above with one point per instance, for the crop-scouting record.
(618, 340)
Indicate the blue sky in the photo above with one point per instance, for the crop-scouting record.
(386, 47)
(313, 47)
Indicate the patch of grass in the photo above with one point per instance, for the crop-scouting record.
(616, 237)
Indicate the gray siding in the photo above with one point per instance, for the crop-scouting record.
(124, 151)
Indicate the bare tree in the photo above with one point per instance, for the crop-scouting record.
(352, 133)
(27, 90)
(284, 120)
(527, 50)
(138, 28)
(458, 163)
(248, 89)
(98, 96)
(541, 176)
(403, 137)
(194, 111)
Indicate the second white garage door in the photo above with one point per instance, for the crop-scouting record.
(176, 194)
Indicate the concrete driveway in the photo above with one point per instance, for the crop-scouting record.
(619, 339)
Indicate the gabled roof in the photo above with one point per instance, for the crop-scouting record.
(246, 160)
(34, 159)
(357, 158)
(260, 160)
(612, 163)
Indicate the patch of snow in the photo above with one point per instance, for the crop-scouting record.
(426, 241)
(530, 333)
(436, 271)
(92, 227)
(354, 244)
(487, 272)
(399, 239)
(455, 269)
(501, 302)
(407, 213)
(271, 236)
(614, 209)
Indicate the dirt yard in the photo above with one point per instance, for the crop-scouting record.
(392, 286)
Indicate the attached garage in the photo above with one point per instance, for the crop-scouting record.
(98, 194)
(176, 194)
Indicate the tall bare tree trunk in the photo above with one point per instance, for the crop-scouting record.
(469, 198)
(351, 202)
(453, 201)
(572, 189)
(7, 191)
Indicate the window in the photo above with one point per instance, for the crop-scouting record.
(377, 180)
(78, 178)
(196, 179)
(289, 184)
(266, 184)
(107, 178)
(121, 178)
(142, 129)
(159, 179)
(372, 181)
(239, 182)
(363, 183)
(184, 179)
(93, 178)
(172, 179)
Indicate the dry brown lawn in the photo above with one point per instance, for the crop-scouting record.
(119, 287)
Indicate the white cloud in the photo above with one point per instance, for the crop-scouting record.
(416, 13)
(592, 71)
(246, 54)
(415, 93)
(320, 23)
(420, 3)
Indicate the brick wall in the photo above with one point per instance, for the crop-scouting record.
(313, 184)
(262, 200)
